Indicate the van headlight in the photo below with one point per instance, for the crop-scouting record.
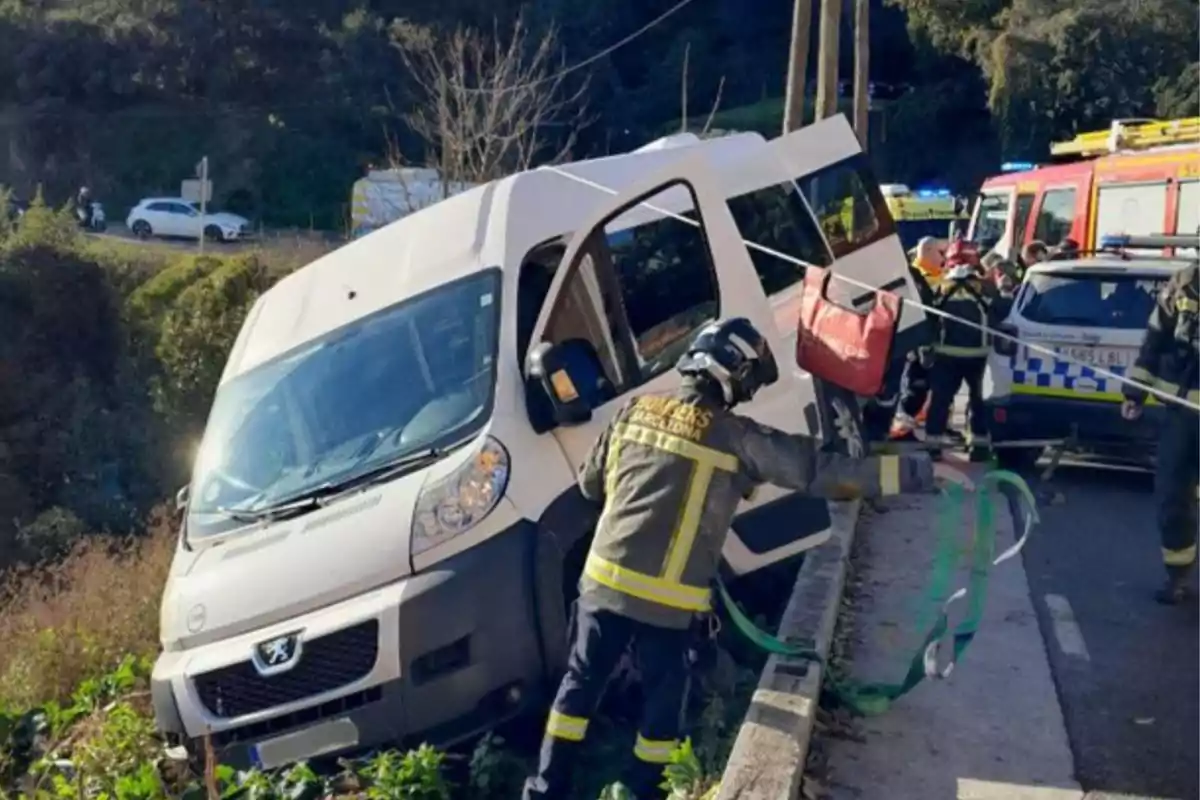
(457, 502)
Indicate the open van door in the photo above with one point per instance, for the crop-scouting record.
(834, 177)
(639, 278)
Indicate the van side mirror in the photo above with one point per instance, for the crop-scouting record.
(560, 378)
(181, 498)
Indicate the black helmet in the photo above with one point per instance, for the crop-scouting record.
(732, 354)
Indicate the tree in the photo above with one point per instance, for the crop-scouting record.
(489, 105)
(1057, 66)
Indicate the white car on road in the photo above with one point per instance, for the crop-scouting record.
(176, 217)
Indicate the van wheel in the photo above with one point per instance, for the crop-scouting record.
(563, 541)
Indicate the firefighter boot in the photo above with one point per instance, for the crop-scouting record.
(1177, 587)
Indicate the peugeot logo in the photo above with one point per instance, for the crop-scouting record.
(277, 655)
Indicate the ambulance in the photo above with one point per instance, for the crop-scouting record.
(1137, 178)
(921, 213)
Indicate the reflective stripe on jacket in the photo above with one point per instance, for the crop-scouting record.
(969, 300)
(671, 470)
(1169, 354)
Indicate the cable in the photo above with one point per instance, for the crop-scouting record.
(875, 290)
(587, 61)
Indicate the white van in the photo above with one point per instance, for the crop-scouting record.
(382, 533)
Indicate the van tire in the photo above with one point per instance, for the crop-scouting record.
(563, 538)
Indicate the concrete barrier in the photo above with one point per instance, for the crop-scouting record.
(767, 760)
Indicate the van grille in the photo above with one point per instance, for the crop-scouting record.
(326, 663)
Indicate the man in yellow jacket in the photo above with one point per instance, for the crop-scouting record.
(670, 471)
(927, 268)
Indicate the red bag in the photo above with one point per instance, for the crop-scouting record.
(841, 345)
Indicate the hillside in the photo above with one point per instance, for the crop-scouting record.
(126, 95)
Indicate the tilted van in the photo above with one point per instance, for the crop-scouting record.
(382, 534)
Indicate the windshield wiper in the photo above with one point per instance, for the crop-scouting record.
(321, 495)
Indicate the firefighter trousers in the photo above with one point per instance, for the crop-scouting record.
(1175, 480)
(946, 377)
(915, 389)
(601, 639)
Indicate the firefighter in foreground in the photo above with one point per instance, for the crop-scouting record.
(670, 471)
(961, 351)
(1169, 360)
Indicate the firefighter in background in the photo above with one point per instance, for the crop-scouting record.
(670, 470)
(927, 266)
(961, 351)
(1169, 360)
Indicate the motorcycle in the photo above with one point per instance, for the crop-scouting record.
(97, 221)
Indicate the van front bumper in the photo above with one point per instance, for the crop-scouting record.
(443, 655)
(1085, 423)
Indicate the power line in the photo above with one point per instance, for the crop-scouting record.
(558, 76)
(1054, 354)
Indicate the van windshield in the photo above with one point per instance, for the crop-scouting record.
(1094, 300)
(416, 375)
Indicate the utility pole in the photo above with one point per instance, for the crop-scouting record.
(202, 173)
(827, 58)
(793, 112)
(862, 68)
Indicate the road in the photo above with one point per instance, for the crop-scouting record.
(1126, 668)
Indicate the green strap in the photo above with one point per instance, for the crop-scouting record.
(869, 699)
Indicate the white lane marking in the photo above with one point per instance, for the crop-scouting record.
(1066, 628)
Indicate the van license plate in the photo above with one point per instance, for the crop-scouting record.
(319, 740)
(1103, 357)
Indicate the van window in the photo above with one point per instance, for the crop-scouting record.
(668, 286)
(586, 309)
(1021, 217)
(1187, 211)
(418, 374)
(776, 218)
(1056, 216)
(991, 218)
(1089, 301)
(1136, 209)
(848, 205)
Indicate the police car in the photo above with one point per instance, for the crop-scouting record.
(1093, 310)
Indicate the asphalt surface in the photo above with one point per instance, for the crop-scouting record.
(1125, 668)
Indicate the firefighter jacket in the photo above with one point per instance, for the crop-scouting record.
(670, 470)
(971, 300)
(1169, 354)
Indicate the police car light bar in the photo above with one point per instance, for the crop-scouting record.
(1017, 166)
(933, 193)
(1152, 242)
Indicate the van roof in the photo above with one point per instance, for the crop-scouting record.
(445, 241)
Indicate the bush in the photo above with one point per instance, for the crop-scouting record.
(75, 619)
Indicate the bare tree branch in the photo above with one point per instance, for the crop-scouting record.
(715, 106)
(491, 104)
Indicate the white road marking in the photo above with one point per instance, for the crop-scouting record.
(1066, 628)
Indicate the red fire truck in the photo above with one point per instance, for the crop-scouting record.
(1137, 178)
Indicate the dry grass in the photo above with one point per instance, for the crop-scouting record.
(77, 618)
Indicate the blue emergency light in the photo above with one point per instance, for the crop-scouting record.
(1016, 166)
(933, 193)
